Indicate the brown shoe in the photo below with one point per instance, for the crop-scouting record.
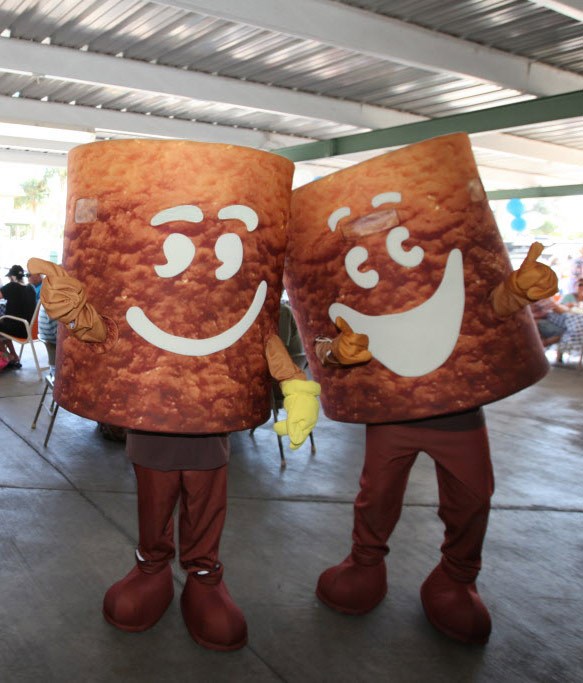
(455, 608)
(210, 614)
(138, 601)
(353, 588)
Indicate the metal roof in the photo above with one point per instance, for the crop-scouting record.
(273, 74)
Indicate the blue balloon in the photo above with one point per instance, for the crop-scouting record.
(515, 207)
(518, 224)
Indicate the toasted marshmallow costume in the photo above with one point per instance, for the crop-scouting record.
(170, 291)
(412, 320)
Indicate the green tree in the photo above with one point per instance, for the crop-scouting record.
(60, 173)
(35, 192)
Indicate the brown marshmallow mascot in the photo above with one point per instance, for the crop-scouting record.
(169, 298)
(413, 320)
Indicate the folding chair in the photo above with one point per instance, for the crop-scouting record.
(571, 342)
(51, 409)
(31, 335)
(572, 348)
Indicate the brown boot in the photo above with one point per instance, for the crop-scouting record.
(466, 483)
(455, 608)
(210, 614)
(353, 588)
(138, 601)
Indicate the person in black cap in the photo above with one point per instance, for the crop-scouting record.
(20, 303)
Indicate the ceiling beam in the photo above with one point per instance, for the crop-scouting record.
(112, 72)
(528, 192)
(104, 121)
(497, 118)
(40, 145)
(573, 9)
(127, 74)
(526, 148)
(18, 156)
(506, 144)
(350, 28)
(51, 153)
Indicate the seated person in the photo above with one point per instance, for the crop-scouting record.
(572, 337)
(20, 303)
(47, 332)
(36, 281)
(548, 317)
(556, 323)
(574, 301)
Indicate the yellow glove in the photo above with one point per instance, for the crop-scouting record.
(64, 299)
(531, 282)
(302, 406)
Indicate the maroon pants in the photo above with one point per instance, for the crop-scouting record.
(465, 480)
(203, 508)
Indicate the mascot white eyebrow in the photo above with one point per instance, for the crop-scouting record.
(413, 319)
(170, 295)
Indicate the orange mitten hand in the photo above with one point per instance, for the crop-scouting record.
(531, 282)
(534, 279)
(348, 347)
(64, 299)
(281, 366)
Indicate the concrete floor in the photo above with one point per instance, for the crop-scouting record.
(68, 529)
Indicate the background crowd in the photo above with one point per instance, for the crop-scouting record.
(19, 300)
(560, 319)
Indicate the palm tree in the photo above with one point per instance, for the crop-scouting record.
(60, 173)
(35, 192)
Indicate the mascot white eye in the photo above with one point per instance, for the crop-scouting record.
(354, 259)
(336, 216)
(408, 259)
(229, 250)
(386, 198)
(241, 213)
(179, 252)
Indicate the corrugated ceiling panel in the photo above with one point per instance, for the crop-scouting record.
(517, 26)
(568, 132)
(150, 32)
(65, 92)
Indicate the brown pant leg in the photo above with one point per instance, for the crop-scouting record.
(203, 509)
(466, 484)
(390, 454)
(157, 495)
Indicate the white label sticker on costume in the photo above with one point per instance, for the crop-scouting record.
(86, 210)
